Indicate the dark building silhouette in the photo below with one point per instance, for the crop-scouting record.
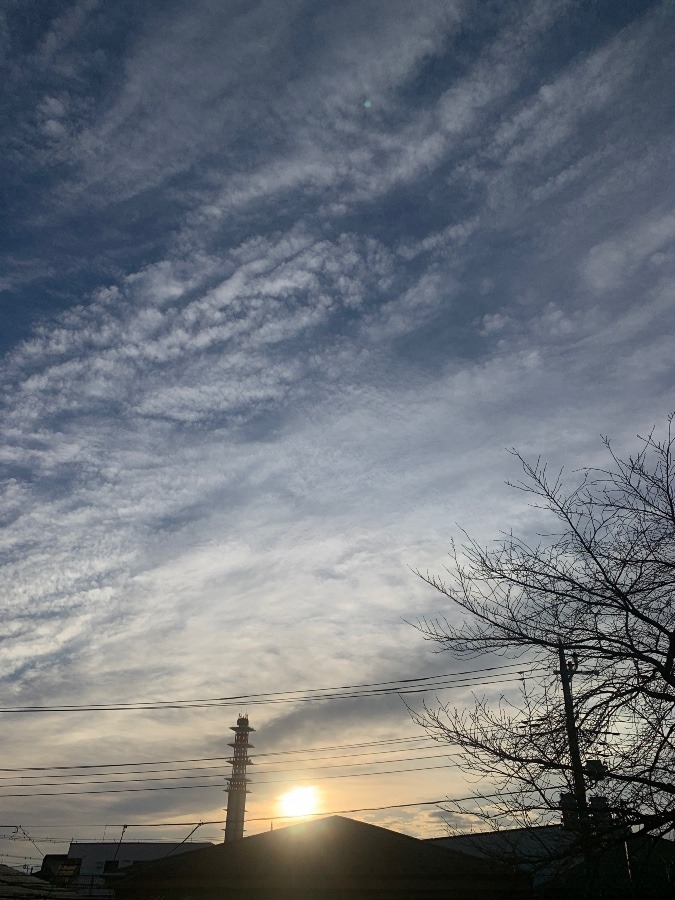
(637, 868)
(17, 884)
(88, 864)
(333, 859)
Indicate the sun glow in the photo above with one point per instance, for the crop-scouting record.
(301, 801)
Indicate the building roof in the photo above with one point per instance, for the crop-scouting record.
(19, 886)
(103, 848)
(128, 852)
(541, 851)
(639, 866)
(328, 858)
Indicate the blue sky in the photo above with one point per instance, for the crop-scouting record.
(280, 283)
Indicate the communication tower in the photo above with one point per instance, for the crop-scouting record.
(237, 782)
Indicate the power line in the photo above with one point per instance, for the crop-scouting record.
(186, 787)
(421, 737)
(219, 768)
(364, 774)
(334, 812)
(404, 686)
(304, 769)
(374, 689)
(159, 762)
(71, 769)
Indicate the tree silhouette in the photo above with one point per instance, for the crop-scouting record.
(602, 584)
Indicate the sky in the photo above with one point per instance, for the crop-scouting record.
(281, 283)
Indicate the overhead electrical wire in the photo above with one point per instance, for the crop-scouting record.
(402, 686)
(439, 802)
(14, 790)
(90, 774)
(423, 684)
(333, 812)
(186, 787)
(218, 768)
(304, 769)
(459, 680)
(159, 762)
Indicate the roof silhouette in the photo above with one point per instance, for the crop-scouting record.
(331, 857)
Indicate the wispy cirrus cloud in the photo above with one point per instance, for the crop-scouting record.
(296, 275)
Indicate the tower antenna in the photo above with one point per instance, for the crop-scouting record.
(237, 782)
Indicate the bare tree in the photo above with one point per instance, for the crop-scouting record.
(602, 586)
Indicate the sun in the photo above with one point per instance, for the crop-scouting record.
(301, 801)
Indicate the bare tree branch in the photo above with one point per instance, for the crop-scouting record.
(602, 582)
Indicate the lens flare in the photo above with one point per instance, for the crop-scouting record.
(301, 801)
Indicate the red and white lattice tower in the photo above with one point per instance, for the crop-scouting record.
(237, 782)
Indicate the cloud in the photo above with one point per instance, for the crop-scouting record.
(64, 30)
(609, 264)
(280, 340)
(196, 103)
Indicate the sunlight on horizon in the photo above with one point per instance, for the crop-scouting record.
(301, 801)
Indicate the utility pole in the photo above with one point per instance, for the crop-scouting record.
(567, 670)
